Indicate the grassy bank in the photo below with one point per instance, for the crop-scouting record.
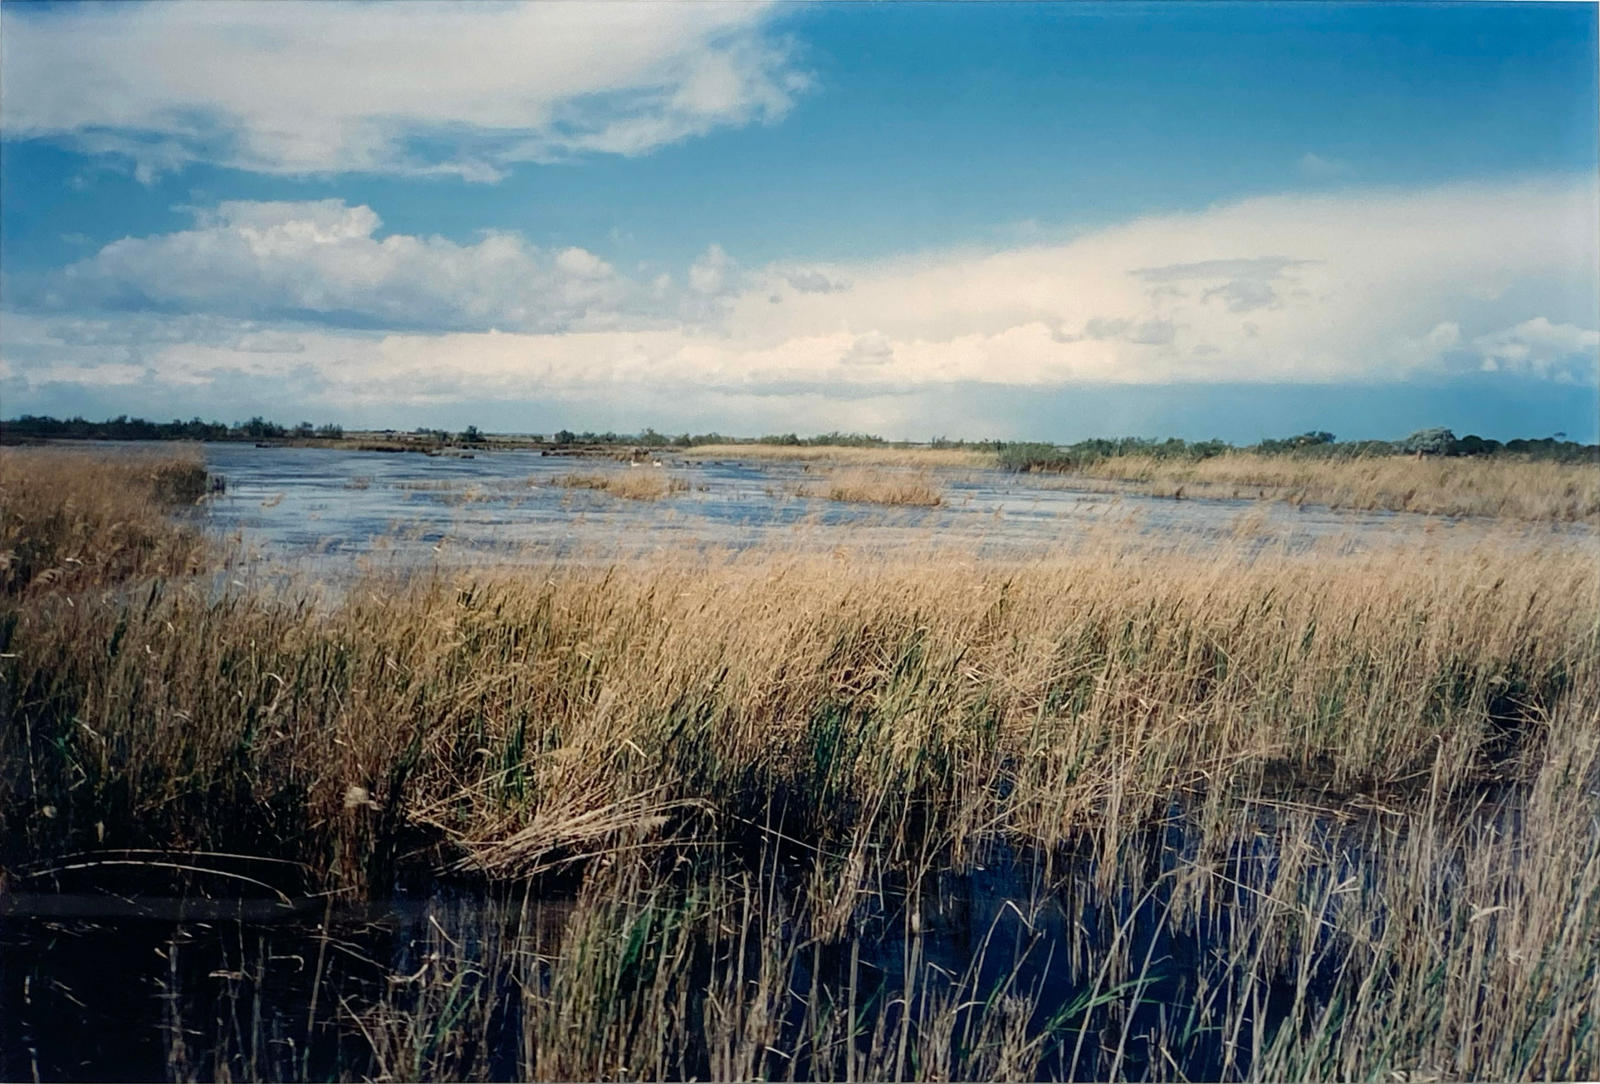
(1504, 487)
(1270, 814)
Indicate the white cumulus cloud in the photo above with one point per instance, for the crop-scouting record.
(410, 88)
(1537, 346)
(323, 259)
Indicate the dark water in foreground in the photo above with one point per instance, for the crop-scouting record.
(149, 974)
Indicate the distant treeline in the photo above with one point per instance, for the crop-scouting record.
(1016, 455)
(1038, 455)
(651, 439)
(43, 427)
(1317, 444)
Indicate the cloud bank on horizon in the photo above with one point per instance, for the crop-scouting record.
(314, 304)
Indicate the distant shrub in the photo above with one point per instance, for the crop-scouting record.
(1429, 442)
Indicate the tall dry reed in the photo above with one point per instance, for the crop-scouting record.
(1028, 700)
(73, 519)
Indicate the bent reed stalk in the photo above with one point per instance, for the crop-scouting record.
(1276, 814)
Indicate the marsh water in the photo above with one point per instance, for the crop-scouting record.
(328, 512)
(180, 975)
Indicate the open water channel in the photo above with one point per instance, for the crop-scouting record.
(328, 511)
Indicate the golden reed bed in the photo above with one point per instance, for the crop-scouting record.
(1504, 487)
(889, 487)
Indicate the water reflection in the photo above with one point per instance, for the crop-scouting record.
(1171, 961)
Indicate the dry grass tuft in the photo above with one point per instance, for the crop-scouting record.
(640, 484)
(878, 487)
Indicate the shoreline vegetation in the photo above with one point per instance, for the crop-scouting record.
(1239, 813)
(1016, 455)
(848, 455)
(1432, 472)
(1507, 485)
(1503, 487)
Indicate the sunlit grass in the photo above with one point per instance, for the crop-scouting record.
(74, 519)
(1079, 687)
(1503, 486)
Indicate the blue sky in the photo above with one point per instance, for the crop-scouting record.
(980, 220)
